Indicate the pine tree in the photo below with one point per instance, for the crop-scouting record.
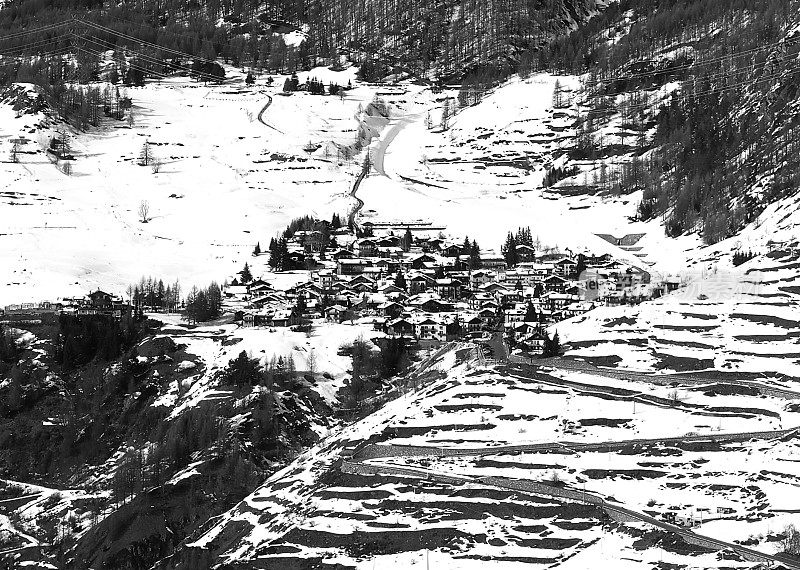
(283, 255)
(245, 274)
(257, 249)
(274, 254)
(530, 313)
(406, 241)
(446, 112)
(474, 255)
(552, 346)
(558, 99)
(510, 250)
(242, 371)
(400, 281)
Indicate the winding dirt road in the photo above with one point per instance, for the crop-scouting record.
(351, 219)
(261, 115)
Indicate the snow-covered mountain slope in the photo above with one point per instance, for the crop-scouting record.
(483, 176)
(227, 181)
(433, 487)
(726, 318)
(237, 166)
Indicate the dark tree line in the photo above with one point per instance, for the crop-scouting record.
(153, 294)
(316, 237)
(740, 257)
(470, 249)
(557, 174)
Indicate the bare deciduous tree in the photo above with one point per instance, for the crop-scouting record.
(155, 165)
(67, 168)
(675, 397)
(15, 152)
(144, 212)
(790, 543)
(312, 363)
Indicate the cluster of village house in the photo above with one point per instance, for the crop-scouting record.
(428, 290)
(95, 303)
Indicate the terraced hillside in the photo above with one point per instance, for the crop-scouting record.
(739, 319)
(520, 466)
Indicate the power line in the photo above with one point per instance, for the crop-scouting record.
(140, 25)
(105, 29)
(143, 42)
(103, 45)
(794, 68)
(135, 66)
(149, 59)
(39, 29)
(34, 45)
(107, 45)
(701, 63)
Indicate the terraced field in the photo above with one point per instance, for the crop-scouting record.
(744, 319)
(430, 495)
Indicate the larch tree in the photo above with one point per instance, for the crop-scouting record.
(145, 155)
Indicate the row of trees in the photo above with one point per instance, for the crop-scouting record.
(509, 248)
(316, 236)
(472, 252)
(316, 87)
(280, 370)
(153, 294)
(279, 258)
(204, 304)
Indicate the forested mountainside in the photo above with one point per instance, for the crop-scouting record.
(707, 95)
(723, 144)
(147, 430)
(443, 39)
